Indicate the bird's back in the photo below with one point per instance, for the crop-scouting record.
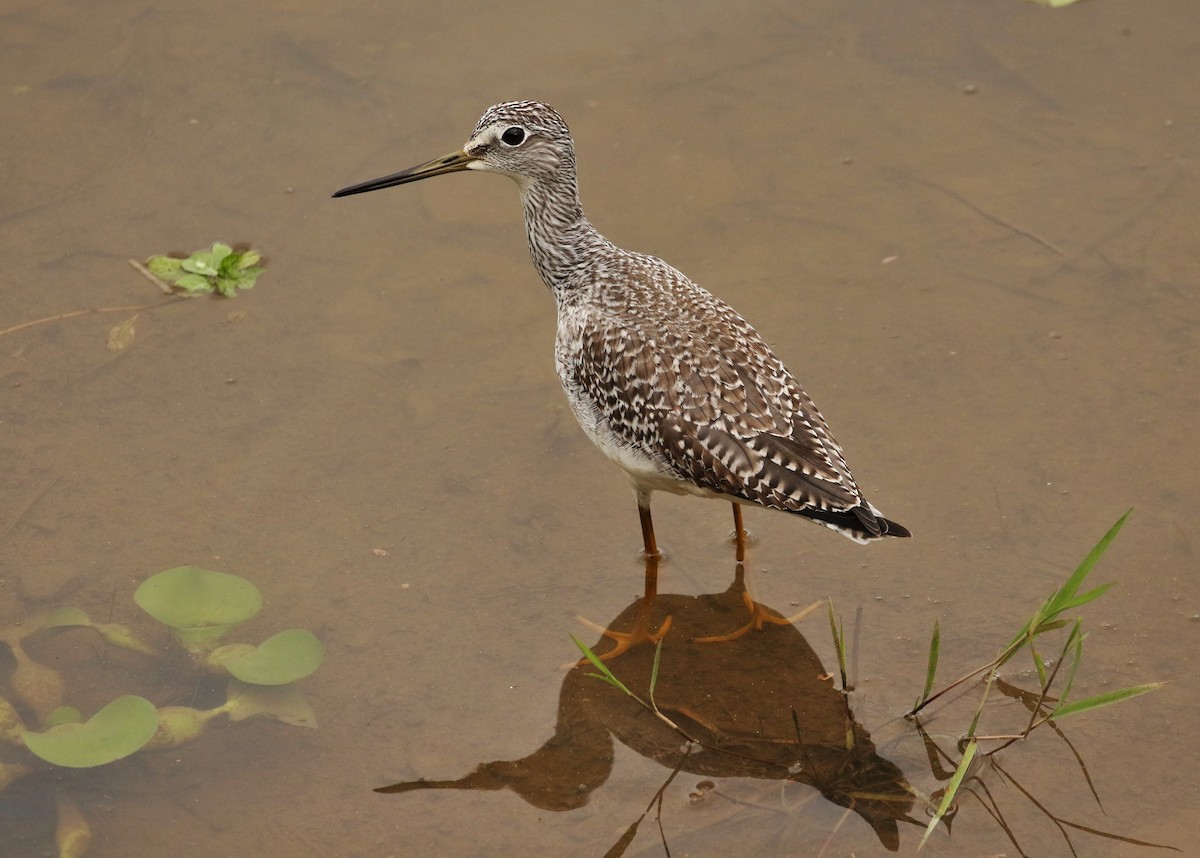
(680, 390)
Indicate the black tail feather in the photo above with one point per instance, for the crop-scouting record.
(858, 523)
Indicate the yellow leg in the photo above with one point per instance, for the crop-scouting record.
(648, 542)
(739, 532)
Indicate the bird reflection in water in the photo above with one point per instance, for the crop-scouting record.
(759, 705)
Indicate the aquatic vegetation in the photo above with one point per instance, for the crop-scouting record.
(200, 608)
(121, 728)
(221, 270)
(1046, 708)
(279, 660)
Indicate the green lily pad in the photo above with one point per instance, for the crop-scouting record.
(118, 730)
(216, 659)
(278, 660)
(188, 597)
(63, 715)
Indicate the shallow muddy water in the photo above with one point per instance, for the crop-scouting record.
(970, 230)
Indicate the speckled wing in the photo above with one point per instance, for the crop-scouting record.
(698, 390)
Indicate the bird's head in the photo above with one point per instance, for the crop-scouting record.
(525, 140)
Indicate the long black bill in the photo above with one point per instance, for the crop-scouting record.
(449, 164)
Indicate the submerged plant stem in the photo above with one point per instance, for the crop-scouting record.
(76, 313)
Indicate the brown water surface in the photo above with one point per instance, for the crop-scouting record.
(971, 230)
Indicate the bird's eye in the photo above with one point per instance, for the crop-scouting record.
(513, 136)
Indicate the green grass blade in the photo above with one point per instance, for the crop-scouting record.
(1088, 703)
(951, 790)
(605, 673)
(839, 643)
(1067, 591)
(1040, 623)
(935, 646)
(1074, 639)
(654, 670)
(1038, 664)
(842, 657)
(1086, 597)
(1064, 597)
(1050, 626)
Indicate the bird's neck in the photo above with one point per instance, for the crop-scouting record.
(561, 240)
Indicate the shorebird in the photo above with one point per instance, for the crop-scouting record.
(664, 377)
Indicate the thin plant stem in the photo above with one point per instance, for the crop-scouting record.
(90, 312)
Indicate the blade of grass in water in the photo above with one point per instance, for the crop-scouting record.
(935, 646)
(1075, 642)
(1105, 699)
(839, 643)
(1038, 664)
(951, 790)
(1064, 597)
(605, 673)
(654, 670)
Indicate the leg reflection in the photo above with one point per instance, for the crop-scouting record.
(640, 633)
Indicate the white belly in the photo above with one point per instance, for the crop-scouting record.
(647, 471)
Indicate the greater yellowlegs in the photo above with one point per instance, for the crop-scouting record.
(665, 378)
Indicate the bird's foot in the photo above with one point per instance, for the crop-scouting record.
(759, 617)
(622, 641)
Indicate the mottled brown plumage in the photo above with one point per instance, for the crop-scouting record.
(666, 379)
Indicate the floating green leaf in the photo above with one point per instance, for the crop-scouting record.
(199, 605)
(118, 730)
(63, 715)
(278, 660)
(166, 267)
(216, 659)
(189, 597)
(220, 269)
